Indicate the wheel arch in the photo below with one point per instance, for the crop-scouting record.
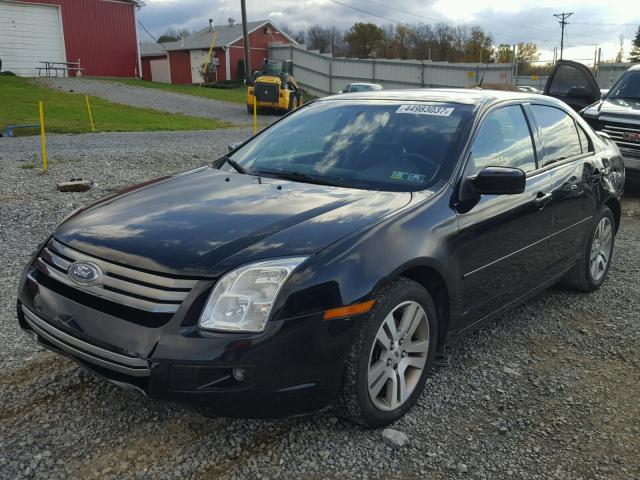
(435, 284)
(615, 207)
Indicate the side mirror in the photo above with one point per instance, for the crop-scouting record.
(499, 181)
(232, 146)
(579, 92)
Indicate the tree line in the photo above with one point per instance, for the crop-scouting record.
(422, 41)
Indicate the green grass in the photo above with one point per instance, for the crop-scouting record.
(67, 112)
(233, 95)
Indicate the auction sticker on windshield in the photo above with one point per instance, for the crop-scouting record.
(426, 110)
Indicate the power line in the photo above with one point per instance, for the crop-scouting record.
(605, 23)
(368, 13)
(433, 19)
(504, 38)
(444, 20)
(149, 33)
(563, 22)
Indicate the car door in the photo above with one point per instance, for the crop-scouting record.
(568, 154)
(502, 240)
(573, 83)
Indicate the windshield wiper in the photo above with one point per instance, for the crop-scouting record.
(298, 177)
(238, 168)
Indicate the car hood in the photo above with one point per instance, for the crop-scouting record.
(200, 221)
(615, 107)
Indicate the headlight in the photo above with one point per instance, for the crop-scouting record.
(242, 299)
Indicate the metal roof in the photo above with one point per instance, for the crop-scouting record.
(227, 34)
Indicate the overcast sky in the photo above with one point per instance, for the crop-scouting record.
(508, 21)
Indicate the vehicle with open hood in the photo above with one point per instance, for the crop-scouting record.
(615, 113)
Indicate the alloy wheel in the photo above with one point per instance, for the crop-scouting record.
(601, 249)
(398, 356)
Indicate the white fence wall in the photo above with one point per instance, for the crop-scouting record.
(609, 73)
(322, 74)
(531, 80)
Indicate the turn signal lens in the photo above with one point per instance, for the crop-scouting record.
(355, 309)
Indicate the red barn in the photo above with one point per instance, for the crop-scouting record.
(100, 34)
(181, 61)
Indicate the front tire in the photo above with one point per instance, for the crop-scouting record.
(593, 267)
(391, 356)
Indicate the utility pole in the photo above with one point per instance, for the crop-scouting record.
(245, 35)
(563, 22)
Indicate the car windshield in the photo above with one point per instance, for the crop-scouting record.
(273, 68)
(628, 87)
(361, 88)
(371, 145)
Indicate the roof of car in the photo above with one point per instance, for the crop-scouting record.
(456, 95)
(634, 67)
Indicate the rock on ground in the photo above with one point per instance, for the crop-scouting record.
(394, 438)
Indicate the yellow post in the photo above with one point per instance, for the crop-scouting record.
(255, 113)
(86, 97)
(44, 143)
(208, 60)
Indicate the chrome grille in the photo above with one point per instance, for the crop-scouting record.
(123, 285)
(617, 133)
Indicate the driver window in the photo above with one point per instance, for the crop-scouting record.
(504, 140)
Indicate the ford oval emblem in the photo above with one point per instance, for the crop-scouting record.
(85, 273)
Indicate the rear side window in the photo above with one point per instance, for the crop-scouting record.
(504, 140)
(565, 78)
(584, 140)
(559, 134)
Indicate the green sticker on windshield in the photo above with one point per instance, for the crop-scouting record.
(408, 177)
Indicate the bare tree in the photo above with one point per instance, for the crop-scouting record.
(318, 38)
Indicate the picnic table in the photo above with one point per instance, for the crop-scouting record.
(64, 68)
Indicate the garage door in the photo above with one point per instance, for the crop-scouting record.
(29, 34)
(160, 70)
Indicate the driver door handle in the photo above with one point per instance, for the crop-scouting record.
(542, 199)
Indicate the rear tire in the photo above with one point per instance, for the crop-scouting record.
(593, 267)
(391, 356)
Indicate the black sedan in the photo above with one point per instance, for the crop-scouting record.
(326, 260)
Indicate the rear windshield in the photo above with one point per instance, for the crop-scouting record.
(361, 144)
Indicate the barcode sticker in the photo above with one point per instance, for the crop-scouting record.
(426, 110)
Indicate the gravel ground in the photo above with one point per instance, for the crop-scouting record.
(157, 99)
(548, 392)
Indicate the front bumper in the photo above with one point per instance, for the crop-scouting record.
(294, 367)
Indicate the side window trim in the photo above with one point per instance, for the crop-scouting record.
(560, 163)
(590, 146)
(538, 146)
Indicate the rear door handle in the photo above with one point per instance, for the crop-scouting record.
(542, 199)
